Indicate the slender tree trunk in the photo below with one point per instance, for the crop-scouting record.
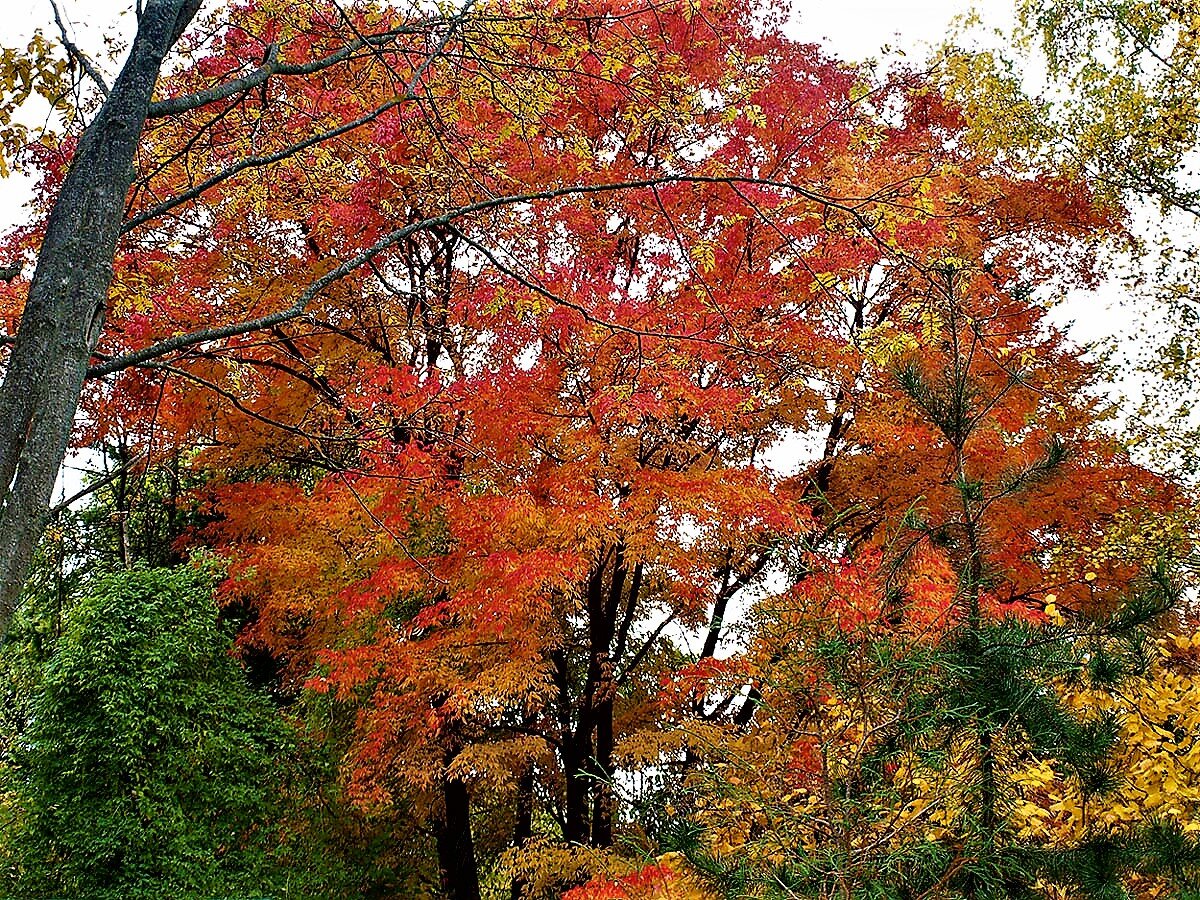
(122, 505)
(587, 742)
(64, 314)
(523, 829)
(577, 753)
(603, 801)
(603, 698)
(455, 847)
(578, 746)
(970, 521)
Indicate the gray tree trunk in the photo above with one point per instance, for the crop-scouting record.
(65, 311)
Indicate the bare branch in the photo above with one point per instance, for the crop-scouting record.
(76, 54)
(97, 485)
(255, 162)
(559, 300)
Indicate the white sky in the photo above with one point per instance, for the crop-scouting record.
(858, 28)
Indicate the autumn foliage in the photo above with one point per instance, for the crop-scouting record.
(671, 406)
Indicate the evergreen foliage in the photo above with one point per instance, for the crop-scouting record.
(964, 708)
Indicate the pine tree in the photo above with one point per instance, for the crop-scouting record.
(920, 735)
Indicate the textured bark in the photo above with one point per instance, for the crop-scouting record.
(64, 313)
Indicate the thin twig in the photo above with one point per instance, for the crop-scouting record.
(98, 485)
(76, 54)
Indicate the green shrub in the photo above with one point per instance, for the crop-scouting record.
(147, 767)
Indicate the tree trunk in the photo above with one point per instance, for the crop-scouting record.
(603, 801)
(64, 314)
(455, 847)
(523, 828)
(576, 753)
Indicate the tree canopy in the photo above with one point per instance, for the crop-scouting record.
(640, 458)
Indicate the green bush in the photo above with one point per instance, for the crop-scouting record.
(146, 767)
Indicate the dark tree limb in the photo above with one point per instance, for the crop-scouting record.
(64, 314)
(104, 482)
(82, 59)
(271, 66)
(299, 308)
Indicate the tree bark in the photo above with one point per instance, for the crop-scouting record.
(455, 847)
(603, 697)
(64, 313)
(523, 828)
(603, 801)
